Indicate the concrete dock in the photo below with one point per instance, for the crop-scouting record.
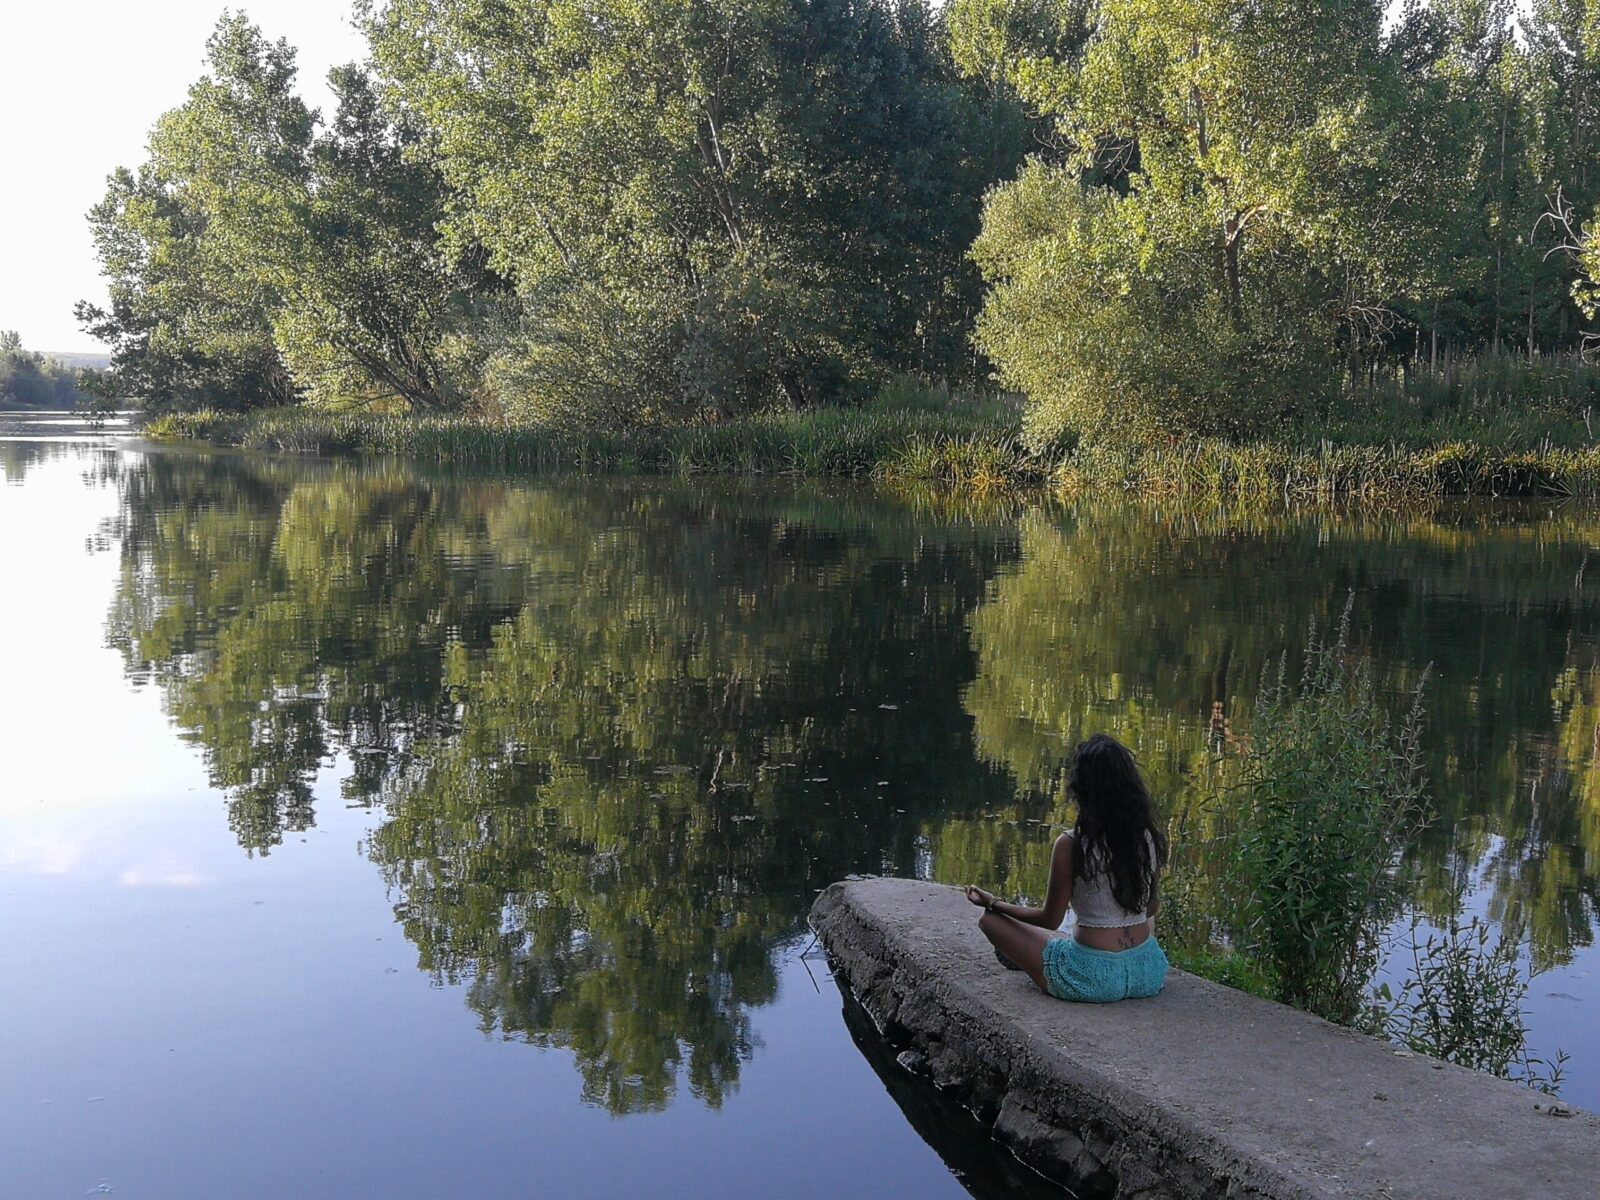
(1200, 1092)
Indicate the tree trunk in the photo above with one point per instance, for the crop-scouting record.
(1500, 231)
(1232, 236)
(792, 388)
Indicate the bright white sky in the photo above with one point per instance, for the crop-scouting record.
(83, 82)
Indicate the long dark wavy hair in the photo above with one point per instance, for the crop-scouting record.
(1115, 814)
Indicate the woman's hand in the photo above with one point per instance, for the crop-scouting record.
(979, 897)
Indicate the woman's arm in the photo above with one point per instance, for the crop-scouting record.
(1057, 895)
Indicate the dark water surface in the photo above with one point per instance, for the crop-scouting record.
(367, 832)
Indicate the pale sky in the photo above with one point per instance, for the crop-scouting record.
(83, 82)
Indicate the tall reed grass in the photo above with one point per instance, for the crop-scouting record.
(1210, 468)
(827, 442)
(1481, 428)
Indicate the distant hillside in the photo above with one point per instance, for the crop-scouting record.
(76, 361)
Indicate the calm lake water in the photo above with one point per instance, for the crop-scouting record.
(371, 832)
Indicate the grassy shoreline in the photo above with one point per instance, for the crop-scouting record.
(976, 448)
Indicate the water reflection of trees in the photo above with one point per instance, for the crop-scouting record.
(19, 456)
(288, 617)
(619, 734)
(1158, 627)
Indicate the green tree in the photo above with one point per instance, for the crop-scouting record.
(1491, 100)
(1244, 197)
(256, 236)
(1563, 39)
(1002, 42)
(29, 380)
(184, 333)
(704, 206)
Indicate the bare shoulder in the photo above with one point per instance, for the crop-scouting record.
(1064, 843)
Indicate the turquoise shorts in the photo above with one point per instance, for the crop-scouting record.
(1074, 971)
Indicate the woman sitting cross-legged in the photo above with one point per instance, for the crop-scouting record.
(1106, 869)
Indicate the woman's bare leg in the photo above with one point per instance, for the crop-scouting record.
(1022, 944)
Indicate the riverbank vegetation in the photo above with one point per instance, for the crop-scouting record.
(1296, 249)
(1324, 790)
(1321, 793)
(978, 446)
(30, 380)
(1308, 817)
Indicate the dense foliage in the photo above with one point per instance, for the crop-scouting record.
(704, 206)
(611, 213)
(1327, 791)
(30, 380)
(1463, 1001)
(1254, 204)
(1208, 217)
(258, 256)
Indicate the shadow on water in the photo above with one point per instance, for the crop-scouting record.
(985, 1168)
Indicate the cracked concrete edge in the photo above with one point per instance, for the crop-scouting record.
(1059, 1112)
(1064, 1119)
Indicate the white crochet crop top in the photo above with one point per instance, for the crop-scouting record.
(1097, 908)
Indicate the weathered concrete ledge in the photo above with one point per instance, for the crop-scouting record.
(1201, 1092)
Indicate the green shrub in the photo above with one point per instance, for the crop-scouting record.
(1325, 793)
(201, 424)
(1115, 334)
(981, 461)
(1225, 965)
(582, 355)
(1193, 931)
(1462, 1002)
(1327, 790)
